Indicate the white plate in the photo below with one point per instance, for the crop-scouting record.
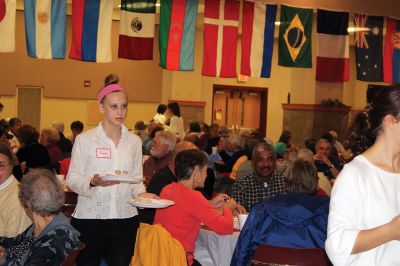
(154, 203)
(122, 178)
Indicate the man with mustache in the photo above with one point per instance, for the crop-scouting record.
(265, 182)
(161, 153)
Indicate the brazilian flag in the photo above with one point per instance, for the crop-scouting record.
(295, 37)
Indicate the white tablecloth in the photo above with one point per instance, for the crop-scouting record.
(213, 249)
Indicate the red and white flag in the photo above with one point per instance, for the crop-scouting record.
(7, 25)
(221, 25)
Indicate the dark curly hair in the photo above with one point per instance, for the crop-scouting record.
(368, 124)
(27, 134)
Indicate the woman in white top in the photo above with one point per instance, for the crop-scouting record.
(159, 117)
(176, 122)
(106, 221)
(364, 221)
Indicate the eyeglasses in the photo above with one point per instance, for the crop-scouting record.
(4, 165)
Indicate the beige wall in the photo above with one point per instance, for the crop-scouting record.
(192, 86)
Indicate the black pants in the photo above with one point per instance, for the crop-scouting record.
(196, 263)
(111, 239)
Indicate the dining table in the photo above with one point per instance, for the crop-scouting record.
(213, 249)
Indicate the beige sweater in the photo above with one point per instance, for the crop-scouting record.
(13, 219)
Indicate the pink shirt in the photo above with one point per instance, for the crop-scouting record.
(183, 220)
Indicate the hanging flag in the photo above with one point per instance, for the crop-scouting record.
(177, 34)
(136, 29)
(369, 47)
(45, 28)
(258, 26)
(7, 25)
(91, 30)
(221, 25)
(332, 46)
(391, 57)
(294, 48)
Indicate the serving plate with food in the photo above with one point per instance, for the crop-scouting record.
(150, 203)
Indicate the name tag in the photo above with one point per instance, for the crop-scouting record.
(103, 153)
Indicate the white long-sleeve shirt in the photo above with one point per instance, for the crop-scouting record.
(95, 153)
(176, 126)
(363, 197)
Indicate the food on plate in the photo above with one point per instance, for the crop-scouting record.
(144, 200)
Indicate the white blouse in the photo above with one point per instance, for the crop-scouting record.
(176, 126)
(364, 197)
(95, 153)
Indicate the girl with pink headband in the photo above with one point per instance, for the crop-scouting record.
(107, 223)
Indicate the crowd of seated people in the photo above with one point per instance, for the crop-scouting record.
(307, 195)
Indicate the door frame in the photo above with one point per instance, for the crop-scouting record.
(263, 102)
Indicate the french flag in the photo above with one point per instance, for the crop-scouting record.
(91, 30)
(45, 28)
(257, 38)
(332, 46)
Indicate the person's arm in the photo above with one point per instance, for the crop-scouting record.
(7, 242)
(76, 180)
(372, 238)
(202, 210)
(52, 250)
(238, 194)
(325, 160)
(345, 207)
(138, 169)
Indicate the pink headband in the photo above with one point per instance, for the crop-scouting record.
(107, 90)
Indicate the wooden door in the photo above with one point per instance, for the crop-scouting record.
(239, 108)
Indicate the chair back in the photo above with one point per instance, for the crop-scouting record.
(71, 199)
(274, 255)
(70, 260)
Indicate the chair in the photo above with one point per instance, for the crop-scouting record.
(274, 255)
(70, 260)
(71, 198)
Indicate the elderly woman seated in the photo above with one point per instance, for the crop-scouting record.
(297, 219)
(49, 138)
(50, 239)
(183, 220)
(13, 219)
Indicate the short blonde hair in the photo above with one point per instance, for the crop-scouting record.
(51, 135)
(301, 176)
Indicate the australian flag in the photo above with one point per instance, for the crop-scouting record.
(369, 43)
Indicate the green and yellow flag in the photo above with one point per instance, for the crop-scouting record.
(295, 37)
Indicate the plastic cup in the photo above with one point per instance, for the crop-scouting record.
(242, 220)
(214, 150)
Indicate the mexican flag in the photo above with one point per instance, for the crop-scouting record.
(136, 31)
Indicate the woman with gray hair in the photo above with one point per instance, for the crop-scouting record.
(297, 219)
(50, 239)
